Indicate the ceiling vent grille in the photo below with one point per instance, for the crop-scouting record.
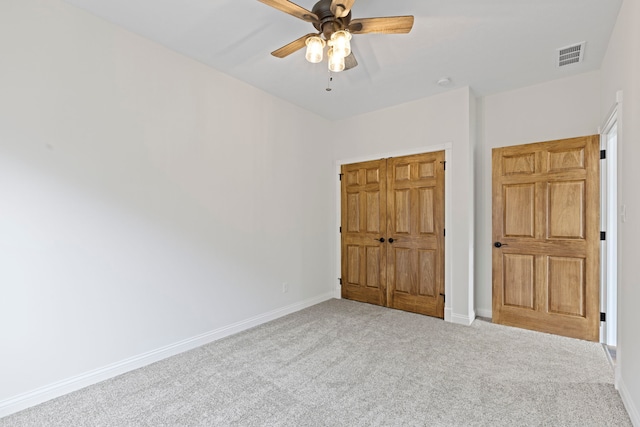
(573, 54)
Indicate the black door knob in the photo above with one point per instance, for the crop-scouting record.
(497, 244)
(391, 240)
(381, 240)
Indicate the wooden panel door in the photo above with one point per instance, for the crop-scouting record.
(393, 233)
(364, 219)
(415, 218)
(547, 237)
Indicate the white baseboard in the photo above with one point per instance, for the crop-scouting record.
(482, 312)
(68, 385)
(629, 404)
(461, 319)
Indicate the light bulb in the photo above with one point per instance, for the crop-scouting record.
(340, 40)
(315, 46)
(336, 63)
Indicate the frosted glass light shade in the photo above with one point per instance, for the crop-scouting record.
(341, 42)
(315, 47)
(336, 63)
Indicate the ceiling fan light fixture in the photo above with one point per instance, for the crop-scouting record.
(336, 62)
(341, 43)
(315, 48)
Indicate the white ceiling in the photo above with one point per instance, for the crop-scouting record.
(489, 45)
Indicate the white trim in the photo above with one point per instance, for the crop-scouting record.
(634, 414)
(611, 118)
(448, 264)
(481, 312)
(447, 314)
(68, 385)
(609, 223)
(463, 320)
(604, 205)
(448, 220)
(400, 153)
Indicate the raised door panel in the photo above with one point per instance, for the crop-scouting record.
(352, 213)
(566, 159)
(373, 269)
(519, 210)
(373, 214)
(402, 211)
(427, 273)
(402, 270)
(518, 164)
(566, 217)
(402, 172)
(566, 286)
(353, 265)
(518, 284)
(426, 214)
(427, 169)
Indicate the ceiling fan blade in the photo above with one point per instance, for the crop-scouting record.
(341, 8)
(387, 25)
(292, 9)
(292, 47)
(350, 62)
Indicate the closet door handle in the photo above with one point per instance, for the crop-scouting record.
(391, 240)
(381, 240)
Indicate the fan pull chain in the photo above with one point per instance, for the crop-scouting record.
(328, 89)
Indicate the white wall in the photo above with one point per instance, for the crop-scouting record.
(555, 110)
(621, 72)
(414, 127)
(144, 198)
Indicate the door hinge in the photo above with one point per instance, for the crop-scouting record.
(603, 235)
(603, 154)
(444, 232)
(340, 280)
(340, 229)
(603, 317)
(444, 165)
(444, 299)
(340, 176)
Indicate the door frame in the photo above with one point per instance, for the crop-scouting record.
(611, 217)
(448, 267)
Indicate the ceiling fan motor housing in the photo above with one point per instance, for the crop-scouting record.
(328, 23)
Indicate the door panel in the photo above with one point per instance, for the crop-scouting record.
(400, 199)
(416, 223)
(566, 210)
(519, 201)
(519, 273)
(364, 221)
(546, 217)
(566, 286)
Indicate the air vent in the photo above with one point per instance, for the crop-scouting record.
(573, 54)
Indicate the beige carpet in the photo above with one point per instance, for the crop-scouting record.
(342, 363)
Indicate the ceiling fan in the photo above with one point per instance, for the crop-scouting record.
(332, 18)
